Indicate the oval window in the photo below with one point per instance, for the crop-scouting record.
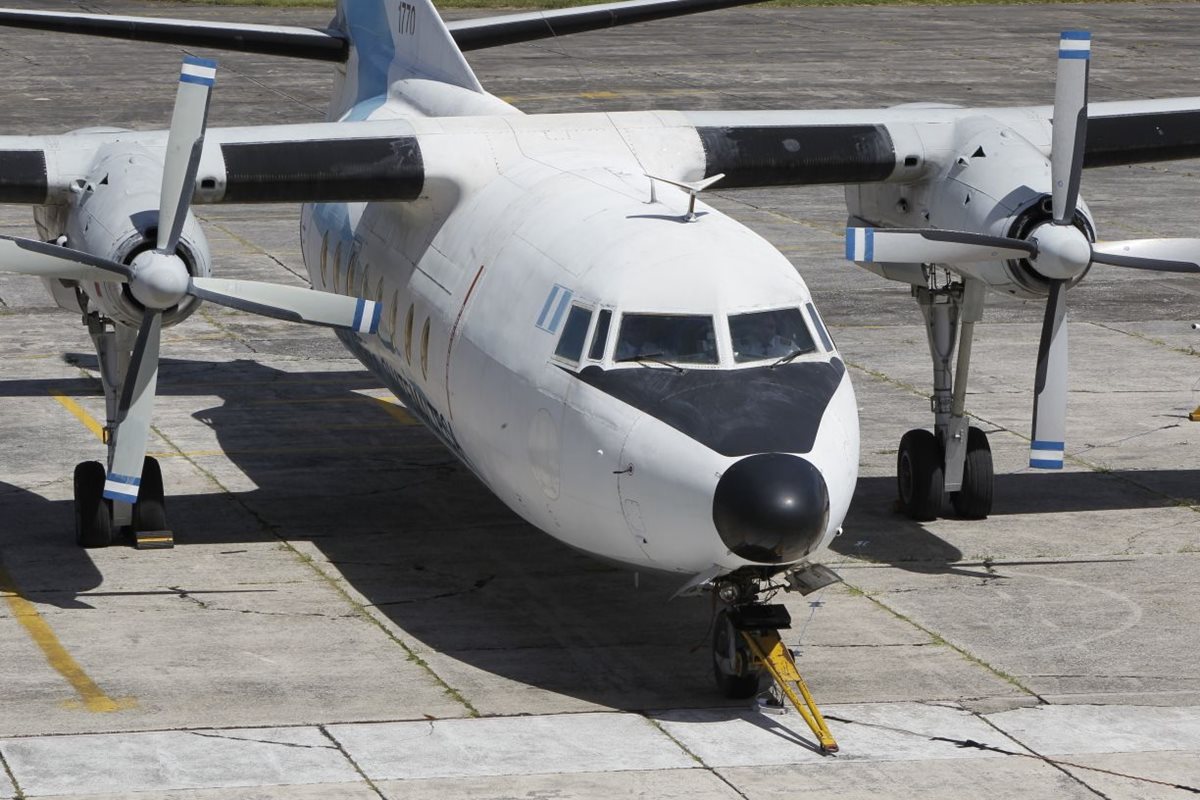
(425, 349)
(325, 260)
(392, 312)
(350, 270)
(337, 265)
(408, 325)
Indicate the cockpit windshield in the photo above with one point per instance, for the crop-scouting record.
(778, 334)
(672, 338)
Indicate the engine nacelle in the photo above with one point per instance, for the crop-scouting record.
(995, 182)
(113, 214)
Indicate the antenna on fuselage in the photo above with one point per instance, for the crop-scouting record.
(693, 189)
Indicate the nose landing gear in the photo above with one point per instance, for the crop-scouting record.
(748, 653)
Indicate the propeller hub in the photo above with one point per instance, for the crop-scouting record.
(1064, 251)
(159, 280)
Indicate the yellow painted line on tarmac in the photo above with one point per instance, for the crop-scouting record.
(91, 696)
(80, 413)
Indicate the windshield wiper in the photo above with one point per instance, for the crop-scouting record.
(799, 351)
(656, 358)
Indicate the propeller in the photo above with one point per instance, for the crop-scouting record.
(159, 280)
(1057, 249)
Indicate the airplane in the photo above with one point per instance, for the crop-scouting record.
(627, 368)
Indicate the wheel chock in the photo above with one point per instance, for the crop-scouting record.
(758, 625)
(153, 540)
(1195, 415)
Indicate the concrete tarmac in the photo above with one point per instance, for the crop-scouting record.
(349, 613)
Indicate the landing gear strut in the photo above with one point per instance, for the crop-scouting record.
(98, 518)
(748, 653)
(955, 459)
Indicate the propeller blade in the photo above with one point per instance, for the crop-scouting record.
(184, 144)
(1070, 123)
(291, 303)
(31, 257)
(921, 246)
(1050, 384)
(1161, 255)
(134, 412)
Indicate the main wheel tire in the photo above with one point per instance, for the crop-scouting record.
(920, 480)
(974, 500)
(150, 511)
(736, 679)
(93, 514)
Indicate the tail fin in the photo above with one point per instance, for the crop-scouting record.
(391, 40)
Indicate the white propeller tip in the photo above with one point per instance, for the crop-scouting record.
(1075, 44)
(201, 71)
(1046, 455)
(860, 244)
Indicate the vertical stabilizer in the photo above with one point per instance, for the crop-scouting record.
(393, 40)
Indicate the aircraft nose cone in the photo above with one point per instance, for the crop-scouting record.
(771, 507)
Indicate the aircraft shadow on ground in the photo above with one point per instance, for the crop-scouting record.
(425, 543)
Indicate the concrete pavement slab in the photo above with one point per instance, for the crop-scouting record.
(501, 746)
(1064, 730)
(955, 779)
(1147, 776)
(325, 791)
(674, 784)
(869, 732)
(157, 761)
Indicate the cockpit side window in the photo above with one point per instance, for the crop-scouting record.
(574, 334)
(824, 334)
(600, 338)
(674, 338)
(776, 334)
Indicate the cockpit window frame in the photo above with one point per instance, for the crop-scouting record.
(804, 319)
(720, 342)
(590, 309)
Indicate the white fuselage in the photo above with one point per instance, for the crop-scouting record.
(477, 278)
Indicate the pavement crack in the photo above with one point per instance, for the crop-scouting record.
(350, 759)
(20, 795)
(699, 761)
(213, 735)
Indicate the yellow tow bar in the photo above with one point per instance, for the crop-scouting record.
(769, 650)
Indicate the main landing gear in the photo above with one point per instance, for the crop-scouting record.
(98, 519)
(748, 654)
(955, 459)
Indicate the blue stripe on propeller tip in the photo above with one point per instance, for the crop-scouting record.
(1077, 35)
(200, 62)
(196, 79)
(359, 307)
(375, 317)
(1041, 463)
(869, 244)
(850, 244)
(1079, 54)
(1040, 445)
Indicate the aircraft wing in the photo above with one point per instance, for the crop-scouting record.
(775, 148)
(389, 160)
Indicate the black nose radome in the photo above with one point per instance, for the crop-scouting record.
(771, 508)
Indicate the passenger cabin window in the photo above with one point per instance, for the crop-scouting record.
(774, 334)
(408, 328)
(601, 337)
(425, 349)
(674, 338)
(574, 334)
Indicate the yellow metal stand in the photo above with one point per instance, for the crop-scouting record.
(768, 648)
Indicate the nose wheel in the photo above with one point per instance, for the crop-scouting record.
(748, 653)
(921, 482)
(96, 517)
